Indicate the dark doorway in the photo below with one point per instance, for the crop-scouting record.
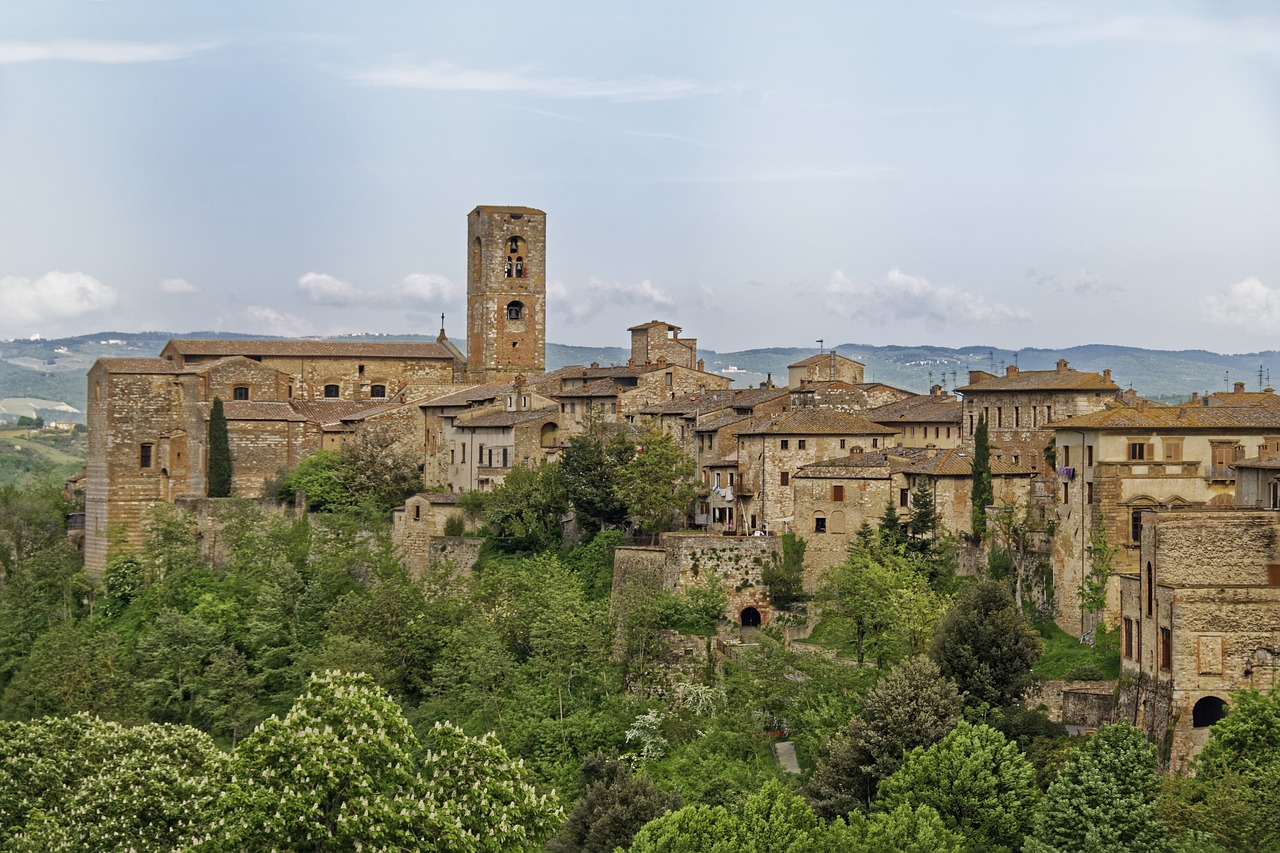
(750, 617)
(1208, 711)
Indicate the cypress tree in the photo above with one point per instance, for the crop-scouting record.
(219, 474)
(983, 494)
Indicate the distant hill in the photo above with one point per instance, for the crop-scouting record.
(55, 369)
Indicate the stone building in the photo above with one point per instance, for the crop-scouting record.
(1115, 463)
(770, 453)
(656, 341)
(506, 293)
(1020, 405)
(922, 420)
(824, 367)
(1200, 618)
(845, 397)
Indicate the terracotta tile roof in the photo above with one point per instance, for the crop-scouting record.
(653, 323)
(503, 208)
(958, 463)
(467, 396)
(821, 357)
(1267, 461)
(693, 404)
(503, 418)
(922, 408)
(867, 459)
(1244, 398)
(331, 411)
(809, 421)
(720, 422)
(756, 396)
(1175, 418)
(138, 365)
(247, 410)
(1043, 380)
(303, 348)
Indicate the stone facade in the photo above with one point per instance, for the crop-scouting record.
(657, 342)
(824, 367)
(1199, 619)
(506, 293)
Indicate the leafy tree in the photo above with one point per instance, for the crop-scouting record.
(692, 829)
(913, 706)
(922, 523)
(31, 519)
(591, 462)
(906, 829)
(982, 492)
(319, 478)
(884, 596)
(1103, 799)
(979, 783)
(772, 820)
(614, 804)
(1246, 739)
(1018, 528)
(986, 645)
(219, 470)
(1093, 587)
(379, 467)
(785, 576)
(657, 484)
(526, 512)
(172, 656)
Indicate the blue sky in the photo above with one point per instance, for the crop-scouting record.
(1022, 174)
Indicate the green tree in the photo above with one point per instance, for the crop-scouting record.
(615, 803)
(219, 471)
(922, 523)
(1104, 798)
(785, 575)
(913, 706)
(526, 512)
(892, 533)
(982, 492)
(907, 829)
(379, 467)
(692, 829)
(978, 782)
(657, 484)
(986, 645)
(31, 519)
(319, 479)
(591, 462)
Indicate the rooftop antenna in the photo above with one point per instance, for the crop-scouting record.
(991, 357)
(819, 343)
(1015, 359)
(1226, 379)
(1259, 377)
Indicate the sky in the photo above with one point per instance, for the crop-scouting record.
(762, 174)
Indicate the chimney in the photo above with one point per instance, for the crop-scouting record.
(702, 366)
(1106, 374)
(1011, 371)
(930, 451)
(935, 391)
(976, 376)
(1142, 405)
(1062, 365)
(595, 365)
(1239, 388)
(768, 382)
(1195, 398)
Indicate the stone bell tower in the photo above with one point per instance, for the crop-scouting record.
(506, 293)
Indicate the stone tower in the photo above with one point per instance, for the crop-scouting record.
(506, 293)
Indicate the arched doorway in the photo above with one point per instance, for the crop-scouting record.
(1208, 711)
(750, 617)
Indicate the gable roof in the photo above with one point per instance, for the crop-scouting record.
(1043, 380)
(137, 365)
(1175, 418)
(510, 208)
(494, 417)
(819, 358)
(922, 408)
(809, 421)
(958, 463)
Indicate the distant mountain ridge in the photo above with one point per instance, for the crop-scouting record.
(55, 369)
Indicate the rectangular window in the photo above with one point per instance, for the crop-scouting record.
(1137, 451)
(786, 478)
(1048, 414)
(1172, 450)
(717, 479)
(785, 444)
(1066, 492)
(1089, 492)
(1017, 416)
(240, 392)
(842, 443)
(1128, 638)
(970, 424)
(667, 380)
(948, 432)
(1066, 456)
(1088, 454)
(1135, 525)
(464, 454)
(1166, 648)
(904, 497)
(730, 478)
(837, 494)
(504, 458)
(800, 445)
(819, 525)
(999, 417)
(144, 455)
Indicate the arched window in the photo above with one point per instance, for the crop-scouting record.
(750, 617)
(549, 435)
(240, 392)
(515, 310)
(377, 390)
(507, 268)
(332, 390)
(514, 246)
(519, 267)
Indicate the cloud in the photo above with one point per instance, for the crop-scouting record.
(178, 286)
(415, 288)
(269, 321)
(97, 52)
(899, 296)
(1082, 23)
(1247, 304)
(792, 174)
(51, 298)
(706, 297)
(599, 295)
(443, 76)
(1083, 282)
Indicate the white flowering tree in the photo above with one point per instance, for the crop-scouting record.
(81, 783)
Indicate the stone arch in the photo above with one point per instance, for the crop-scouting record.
(550, 435)
(1208, 711)
(515, 311)
(749, 617)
